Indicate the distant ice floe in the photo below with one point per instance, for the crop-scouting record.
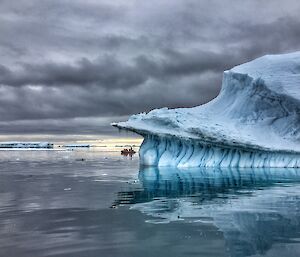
(253, 122)
(26, 145)
(76, 145)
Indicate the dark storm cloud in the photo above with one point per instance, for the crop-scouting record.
(112, 73)
(64, 60)
(94, 126)
(281, 35)
(107, 72)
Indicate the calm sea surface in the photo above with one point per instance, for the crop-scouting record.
(91, 202)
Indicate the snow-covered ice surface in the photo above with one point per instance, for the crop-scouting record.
(253, 122)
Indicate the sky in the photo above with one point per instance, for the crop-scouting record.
(73, 67)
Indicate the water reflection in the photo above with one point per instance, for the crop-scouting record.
(258, 210)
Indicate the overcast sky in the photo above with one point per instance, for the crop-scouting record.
(72, 67)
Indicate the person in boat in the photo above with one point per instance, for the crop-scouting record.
(128, 151)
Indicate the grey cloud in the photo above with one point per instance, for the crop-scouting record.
(106, 71)
(281, 35)
(77, 126)
(62, 60)
(38, 102)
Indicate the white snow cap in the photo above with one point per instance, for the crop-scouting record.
(281, 73)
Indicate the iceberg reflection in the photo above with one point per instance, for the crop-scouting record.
(258, 210)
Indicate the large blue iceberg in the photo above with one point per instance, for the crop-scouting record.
(253, 122)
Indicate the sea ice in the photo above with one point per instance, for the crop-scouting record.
(26, 145)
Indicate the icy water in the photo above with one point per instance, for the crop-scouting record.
(93, 203)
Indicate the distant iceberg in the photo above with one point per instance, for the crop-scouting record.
(26, 145)
(76, 145)
(253, 122)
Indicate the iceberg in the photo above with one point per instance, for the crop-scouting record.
(253, 122)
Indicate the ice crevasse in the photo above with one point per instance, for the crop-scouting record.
(253, 122)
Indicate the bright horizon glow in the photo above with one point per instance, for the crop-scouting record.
(95, 140)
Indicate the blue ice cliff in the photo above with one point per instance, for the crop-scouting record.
(253, 122)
